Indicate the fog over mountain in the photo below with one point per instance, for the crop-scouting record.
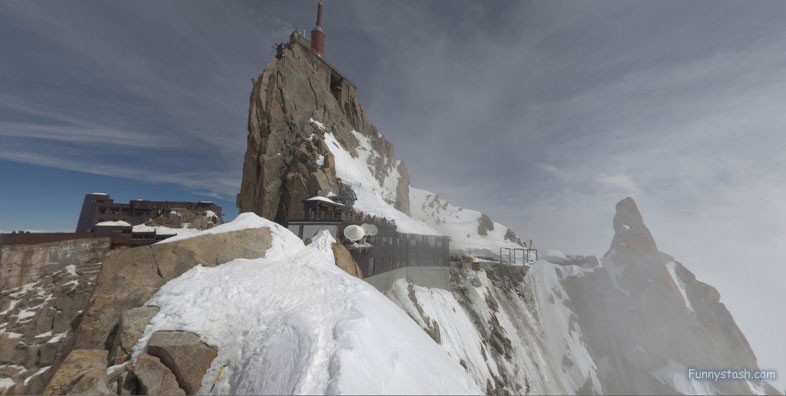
(540, 114)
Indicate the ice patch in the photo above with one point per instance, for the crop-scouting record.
(672, 271)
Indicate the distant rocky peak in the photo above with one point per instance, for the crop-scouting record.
(630, 233)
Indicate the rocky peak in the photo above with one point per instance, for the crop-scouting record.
(630, 233)
(297, 99)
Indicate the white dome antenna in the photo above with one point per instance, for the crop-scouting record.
(354, 233)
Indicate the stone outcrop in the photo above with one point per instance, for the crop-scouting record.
(184, 354)
(37, 323)
(131, 276)
(25, 263)
(345, 261)
(132, 325)
(115, 316)
(286, 159)
(78, 373)
(485, 224)
(154, 378)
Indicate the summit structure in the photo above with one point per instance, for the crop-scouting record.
(317, 35)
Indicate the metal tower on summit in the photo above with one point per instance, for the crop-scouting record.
(317, 35)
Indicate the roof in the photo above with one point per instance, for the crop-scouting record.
(323, 199)
(118, 223)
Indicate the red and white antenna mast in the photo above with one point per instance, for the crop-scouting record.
(317, 35)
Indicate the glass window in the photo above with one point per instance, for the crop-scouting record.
(371, 266)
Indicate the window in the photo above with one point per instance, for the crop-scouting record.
(371, 266)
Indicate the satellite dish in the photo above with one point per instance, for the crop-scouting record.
(354, 233)
(370, 229)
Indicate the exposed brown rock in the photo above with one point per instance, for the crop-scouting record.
(79, 372)
(132, 325)
(280, 167)
(37, 320)
(131, 276)
(154, 377)
(345, 261)
(183, 353)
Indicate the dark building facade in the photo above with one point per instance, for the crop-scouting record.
(385, 251)
(99, 207)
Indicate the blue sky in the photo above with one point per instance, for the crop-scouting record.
(541, 114)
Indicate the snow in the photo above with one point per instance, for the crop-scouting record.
(115, 223)
(163, 230)
(321, 331)
(71, 269)
(317, 123)
(320, 160)
(373, 197)
(243, 221)
(6, 383)
(98, 194)
(456, 222)
(671, 266)
(323, 199)
(39, 372)
(563, 336)
(675, 374)
(210, 214)
(57, 337)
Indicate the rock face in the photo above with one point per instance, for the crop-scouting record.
(21, 264)
(184, 354)
(79, 373)
(644, 314)
(132, 325)
(345, 261)
(37, 323)
(115, 317)
(485, 224)
(154, 378)
(286, 159)
(630, 323)
(131, 276)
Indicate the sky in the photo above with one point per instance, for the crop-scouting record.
(541, 114)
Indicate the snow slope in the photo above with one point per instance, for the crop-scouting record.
(373, 197)
(293, 322)
(456, 222)
(429, 214)
(547, 354)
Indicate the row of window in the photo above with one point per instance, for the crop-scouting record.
(389, 263)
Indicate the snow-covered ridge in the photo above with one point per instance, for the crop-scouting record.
(428, 214)
(293, 322)
(456, 222)
(373, 197)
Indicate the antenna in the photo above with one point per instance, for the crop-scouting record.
(354, 233)
(369, 229)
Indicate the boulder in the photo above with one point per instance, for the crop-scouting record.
(345, 261)
(175, 258)
(131, 276)
(78, 373)
(127, 280)
(154, 377)
(132, 324)
(183, 353)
